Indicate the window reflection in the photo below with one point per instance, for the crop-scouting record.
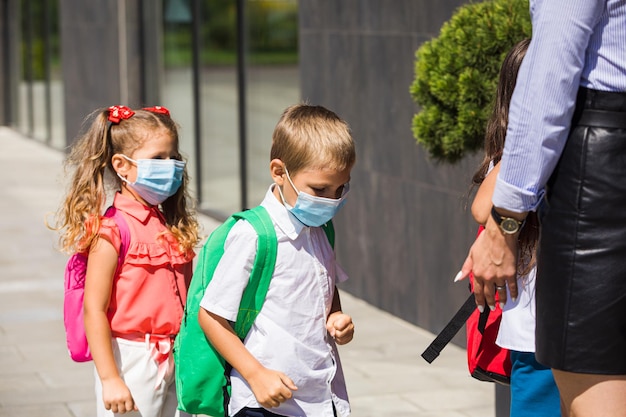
(220, 133)
(272, 76)
(177, 88)
(57, 114)
(39, 71)
(40, 93)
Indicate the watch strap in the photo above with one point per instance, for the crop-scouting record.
(499, 219)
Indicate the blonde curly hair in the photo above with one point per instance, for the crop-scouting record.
(92, 176)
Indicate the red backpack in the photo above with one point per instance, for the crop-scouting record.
(486, 360)
(75, 273)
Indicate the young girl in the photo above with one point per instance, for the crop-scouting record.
(533, 390)
(131, 315)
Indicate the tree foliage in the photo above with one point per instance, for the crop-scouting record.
(456, 75)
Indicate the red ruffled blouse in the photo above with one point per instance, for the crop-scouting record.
(148, 296)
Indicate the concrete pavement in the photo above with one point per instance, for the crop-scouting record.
(385, 374)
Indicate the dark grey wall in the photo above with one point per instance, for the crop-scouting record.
(101, 55)
(405, 232)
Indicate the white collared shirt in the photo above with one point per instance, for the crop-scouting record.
(289, 334)
(517, 328)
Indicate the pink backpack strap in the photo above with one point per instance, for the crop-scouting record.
(122, 225)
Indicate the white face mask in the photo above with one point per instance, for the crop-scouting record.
(311, 210)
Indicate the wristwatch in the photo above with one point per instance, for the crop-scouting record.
(508, 225)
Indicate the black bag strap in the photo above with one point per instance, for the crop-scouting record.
(452, 328)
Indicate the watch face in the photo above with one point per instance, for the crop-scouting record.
(509, 225)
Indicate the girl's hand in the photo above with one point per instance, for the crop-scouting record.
(340, 327)
(271, 388)
(117, 396)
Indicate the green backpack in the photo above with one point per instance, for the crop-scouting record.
(202, 374)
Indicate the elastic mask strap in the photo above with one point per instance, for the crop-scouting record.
(128, 159)
(290, 182)
(280, 191)
(118, 174)
(124, 179)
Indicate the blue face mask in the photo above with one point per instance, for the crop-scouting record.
(311, 210)
(157, 179)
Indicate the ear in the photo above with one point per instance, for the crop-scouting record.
(277, 171)
(120, 164)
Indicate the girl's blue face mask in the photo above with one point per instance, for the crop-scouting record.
(311, 210)
(157, 179)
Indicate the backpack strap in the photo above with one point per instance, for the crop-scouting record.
(451, 329)
(122, 226)
(262, 270)
(329, 229)
(456, 322)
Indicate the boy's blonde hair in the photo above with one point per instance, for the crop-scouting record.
(312, 137)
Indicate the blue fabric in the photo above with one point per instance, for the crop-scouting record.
(533, 390)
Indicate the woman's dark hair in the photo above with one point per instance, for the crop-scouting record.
(495, 135)
(499, 119)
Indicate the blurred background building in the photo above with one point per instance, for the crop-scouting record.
(226, 69)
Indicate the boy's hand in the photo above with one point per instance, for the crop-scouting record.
(340, 327)
(271, 388)
(117, 396)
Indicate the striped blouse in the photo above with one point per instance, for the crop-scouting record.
(574, 43)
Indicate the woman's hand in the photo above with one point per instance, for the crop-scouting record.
(493, 260)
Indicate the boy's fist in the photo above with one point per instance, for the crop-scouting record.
(340, 327)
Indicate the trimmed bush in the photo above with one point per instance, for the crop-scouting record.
(456, 75)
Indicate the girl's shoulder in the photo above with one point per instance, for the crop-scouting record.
(110, 231)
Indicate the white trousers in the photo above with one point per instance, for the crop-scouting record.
(140, 373)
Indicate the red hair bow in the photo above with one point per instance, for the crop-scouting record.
(158, 109)
(117, 113)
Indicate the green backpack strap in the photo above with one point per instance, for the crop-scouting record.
(329, 229)
(262, 270)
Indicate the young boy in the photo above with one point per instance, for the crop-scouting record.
(289, 362)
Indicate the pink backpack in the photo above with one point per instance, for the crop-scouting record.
(75, 272)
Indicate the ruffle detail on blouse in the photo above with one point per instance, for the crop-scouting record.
(164, 251)
(161, 252)
(154, 254)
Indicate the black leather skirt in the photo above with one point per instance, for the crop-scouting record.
(581, 269)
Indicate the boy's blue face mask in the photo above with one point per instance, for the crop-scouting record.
(311, 210)
(157, 179)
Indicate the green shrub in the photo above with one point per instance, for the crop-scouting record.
(456, 75)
